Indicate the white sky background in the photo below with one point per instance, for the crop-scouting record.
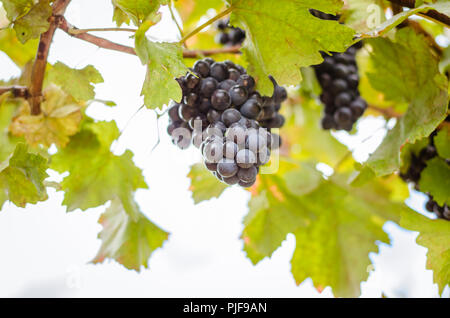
(45, 252)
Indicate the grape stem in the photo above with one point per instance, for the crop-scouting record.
(75, 31)
(64, 25)
(174, 19)
(204, 25)
(40, 62)
(431, 14)
(16, 91)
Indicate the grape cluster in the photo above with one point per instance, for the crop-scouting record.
(418, 163)
(229, 35)
(339, 79)
(223, 115)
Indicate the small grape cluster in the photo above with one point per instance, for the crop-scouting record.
(223, 115)
(229, 35)
(418, 163)
(339, 79)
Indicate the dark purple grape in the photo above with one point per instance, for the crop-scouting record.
(202, 68)
(219, 71)
(236, 133)
(227, 84)
(247, 174)
(245, 158)
(192, 81)
(343, 116)
(230, 116)
(213, 116)
(343, 100)
(234, 74)
(246, 184)
(232, 180)
(247, 81)
(220, 99)
(208, 86)
(227, 168)
(173, 112)
(238, 95)
(251, 109)
(186, 112)
(230, 150)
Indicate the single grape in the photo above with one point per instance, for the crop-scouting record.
(343, 99)
(211, 166)
(250, 109)
(231, 180)
(227, 168)
(173, 112)
(238, 95)
(213, 151)
(213, 115)
(208, 86)
(247, 174)
(219, 71)
(230, 116)
(230, 149)
(246, 184)
(236, 133)
(234, 74)
(192, 81)
(202, 68)
(247, 81)
(220, 99)
(186, 112)
(245, 158)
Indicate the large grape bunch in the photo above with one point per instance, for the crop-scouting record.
(223, 115)
(229, 35)
(339, 79)
(417, 164)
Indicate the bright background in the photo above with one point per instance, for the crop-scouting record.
(45, 252)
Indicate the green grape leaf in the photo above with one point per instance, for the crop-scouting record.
(435, 236)
(364, 15)
(282, 36)
(435, 180)
(8, 108)
(442, 142)
(138, 10)
(164, 63)
(19, 53)
(75, 82)
(383, 28)
(120, 17)
(336, 225)
(17, 8)
(34, 22)
(128, 236)
(22, 177)
(204, 185)
(305, 137)
(413, 77)
(192, 10)
(96, 175)
(60, 118)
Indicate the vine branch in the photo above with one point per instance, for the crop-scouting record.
(40, 62)
(16, 91)
(433, 14)
(64, 25)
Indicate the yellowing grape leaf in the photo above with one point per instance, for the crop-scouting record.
(75, 82)
(95, 174)
(19, 53)
(22, 177)
(282, 36)
(138, 10)
(192, 10)
(412, 77)
(435, 236)
(29, 19)
(59, 119)
(306, 139)
(204, 185)
(164, 63)
(8, 108)
(336, 226)
(435, 180)
(128, 236)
